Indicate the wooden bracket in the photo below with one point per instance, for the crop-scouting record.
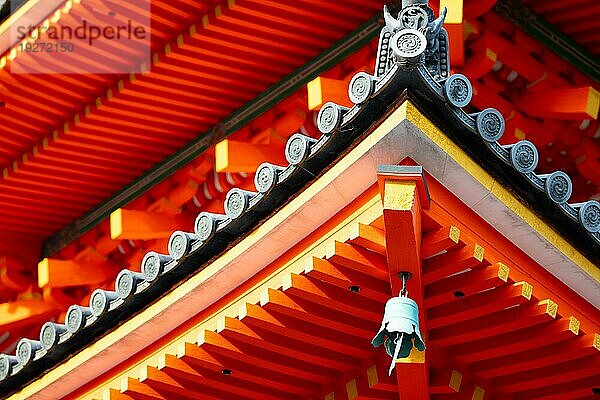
(54, 273)
(236, 156)
(321, 90)
(404, 193)
(143, 225)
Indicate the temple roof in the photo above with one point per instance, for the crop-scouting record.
(412, 63)
(79, 170)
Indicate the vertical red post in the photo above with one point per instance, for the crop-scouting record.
(404, 193)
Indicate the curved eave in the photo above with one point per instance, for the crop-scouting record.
(399, 136)
(404, 133)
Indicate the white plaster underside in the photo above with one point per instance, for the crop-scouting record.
(403, 140)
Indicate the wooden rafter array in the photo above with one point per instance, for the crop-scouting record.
(513, 328)
(490, 334)
(95, 259)
(102, 131)
(93, 156)
(298, 341)
(173, 204)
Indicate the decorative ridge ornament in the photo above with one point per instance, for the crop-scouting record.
(415, 37)
(400, 330)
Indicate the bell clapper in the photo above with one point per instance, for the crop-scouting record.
(396, 352)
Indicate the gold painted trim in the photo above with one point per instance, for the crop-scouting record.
(366, 214)
(574, 325)
(526, 289)
(479, 252)
(372, 378)
(551, 307)
(454, 234)
(352, 389)
(415, 356)
(399, 195)
(455, 381)
(478, 393)
(503, 272)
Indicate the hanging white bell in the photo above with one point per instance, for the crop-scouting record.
(399, 330)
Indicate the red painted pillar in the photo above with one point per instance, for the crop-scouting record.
(404, 194)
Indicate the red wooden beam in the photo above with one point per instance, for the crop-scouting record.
(258, 317)
(442, 239)
(368, 237)
(576, 348)
(277, 302)
(576, 103)
(321, 90)
(25, 312)
(470, 282)
(267, 348)
(479, 305)
(143, 225)
(348, 279)
(332, 297)
(526, 339)
(404, 193)
(454, 261)
(56, 273)
(203, 363)
(357, 258)
(170, 385)
(237, 156)
(499, 322)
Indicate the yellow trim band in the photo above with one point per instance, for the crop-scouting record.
(504, 195)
